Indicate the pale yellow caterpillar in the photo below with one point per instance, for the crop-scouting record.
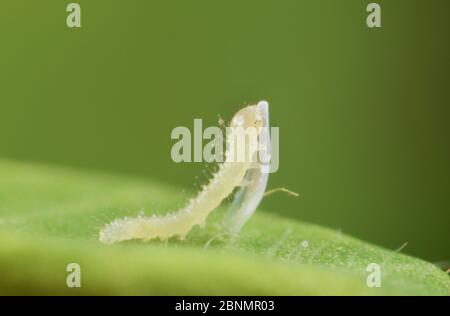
(231, 174)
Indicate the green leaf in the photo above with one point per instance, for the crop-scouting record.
(50, 217)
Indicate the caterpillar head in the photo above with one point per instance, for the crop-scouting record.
(252, 116)
(247, 137)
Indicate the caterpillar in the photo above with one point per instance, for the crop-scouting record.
(251, 177)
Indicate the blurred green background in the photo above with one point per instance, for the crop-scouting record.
(363, 113)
